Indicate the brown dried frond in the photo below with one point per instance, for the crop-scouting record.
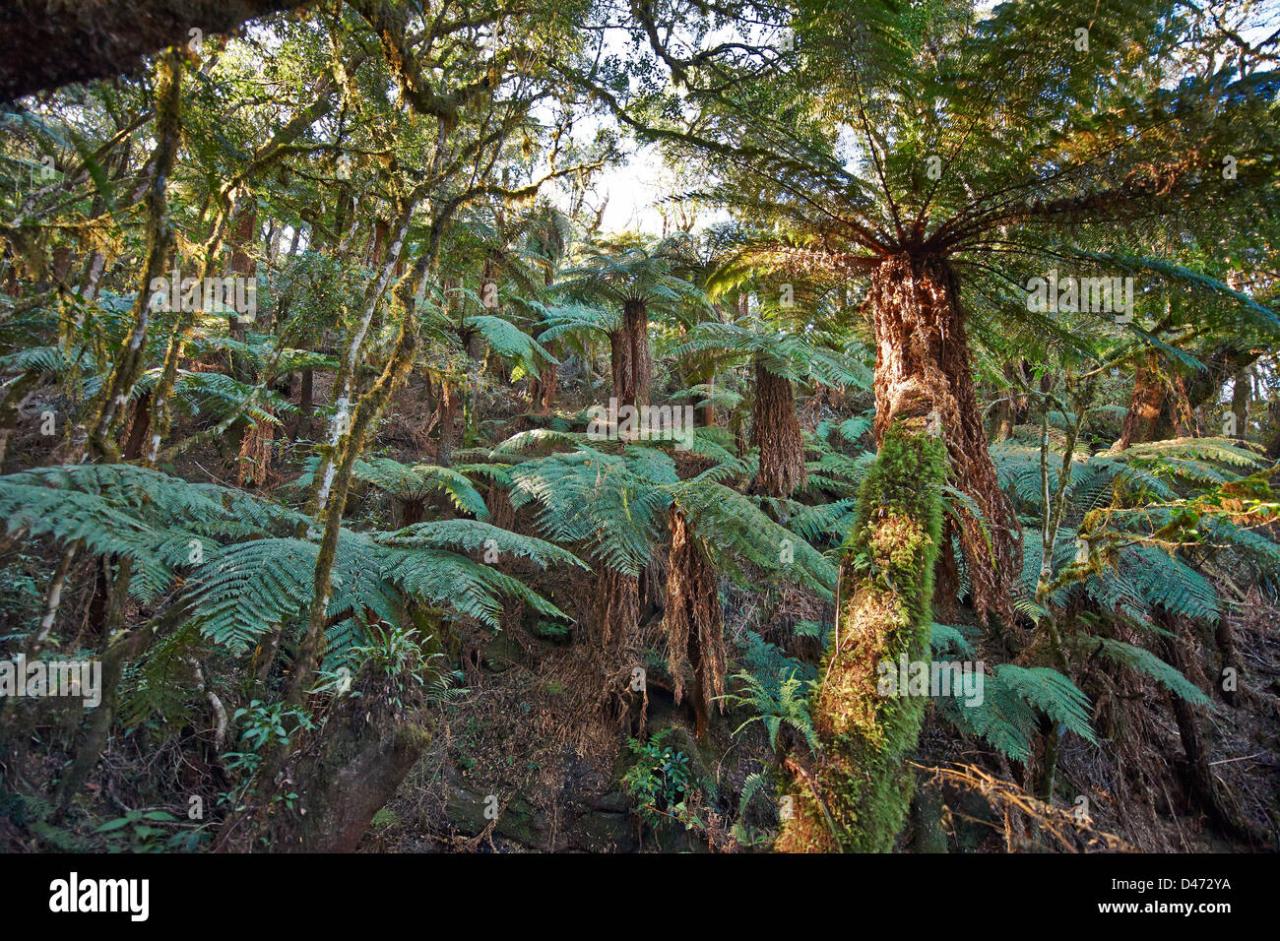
(694, 624)
(1073, 834)
(255, 453)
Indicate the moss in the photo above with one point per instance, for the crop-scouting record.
(858, 794)
(385, 819)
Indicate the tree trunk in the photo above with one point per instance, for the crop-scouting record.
(254, 461)
(1273, 415)
(1012, 409)
(542, 389)
(450, 406)
(1203, 784)
(160, 243)
(614, 639)
(40, 49)
(138, 426)
(694, 624)
(306, 403)
(775, 430)
(353, 782)
(630, 357)
(1159, 408)
(242, 265)
(857, 796)
(707, 414)
(1240, 405)
(923, 368)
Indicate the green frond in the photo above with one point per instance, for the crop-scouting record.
(1264, 317)
(475, 536)
(609, 503)
(742, 539)
(510, 342)
(944, 638)
(409, 482)
(1143, 661)
(1013, 698)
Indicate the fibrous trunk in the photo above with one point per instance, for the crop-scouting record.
(775, 430)
(857, 794)
(255, 453)
(615, 639)
(694, 625)
(450, 411)
(542, 389)
(1159, 407)
(1240, 404)
(923, 369)
(617, 618)
(630, 357)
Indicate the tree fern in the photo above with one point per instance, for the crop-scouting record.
(1013, 699)
(741, 538)
(411, 482)
(609, 503)
(1143, 661)
(475, 536)
(510, 342)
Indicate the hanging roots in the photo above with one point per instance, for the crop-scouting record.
(775, 430)
(694, 625)
(255, 453)
(615, 641)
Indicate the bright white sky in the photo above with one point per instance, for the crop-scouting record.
(632, 190)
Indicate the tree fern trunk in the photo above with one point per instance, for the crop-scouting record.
(775, 430)
(629, 355)
(306, 403)
(923, 366)
(857, 796)
(694, 624)
(1240, 404)
(1159, 407)
(543, 387)
(615, 638)
(1212, 795)
(450, 408)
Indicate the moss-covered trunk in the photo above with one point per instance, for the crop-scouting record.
(857, 794)
(775, 430)
(922, 368)
(1158, 408)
